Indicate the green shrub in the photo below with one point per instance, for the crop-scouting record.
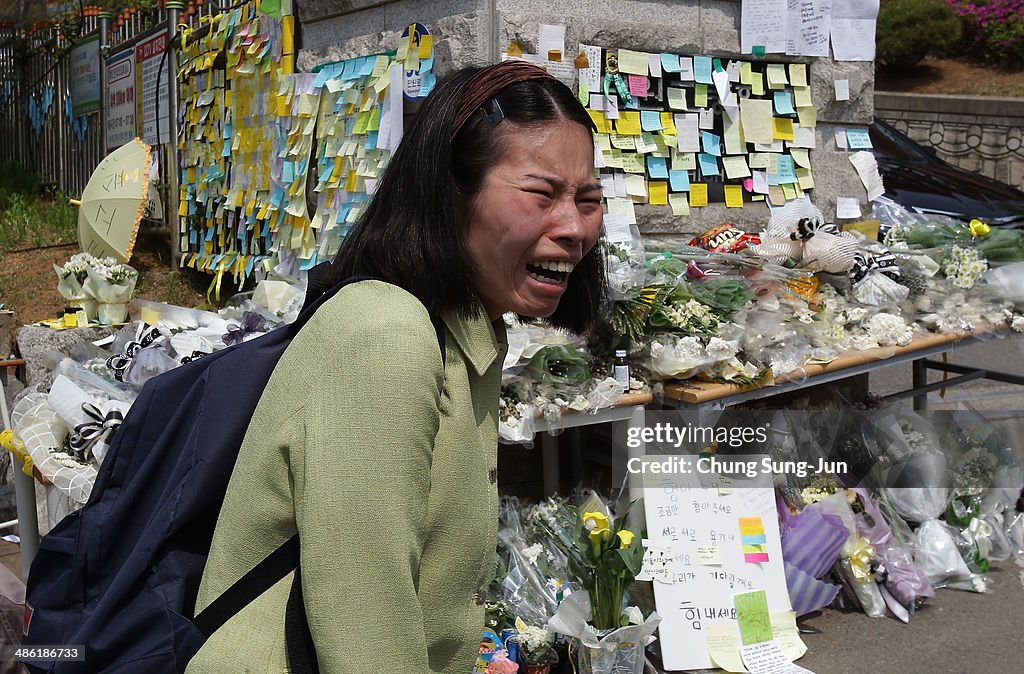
(909, 30)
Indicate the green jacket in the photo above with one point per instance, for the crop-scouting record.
(385, 464)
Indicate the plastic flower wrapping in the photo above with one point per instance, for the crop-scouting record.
(66, 428)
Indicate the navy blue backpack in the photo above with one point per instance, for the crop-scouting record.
(119, 577)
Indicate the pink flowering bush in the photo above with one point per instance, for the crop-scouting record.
(994, 29)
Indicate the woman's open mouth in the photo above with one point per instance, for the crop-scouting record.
(550, 271)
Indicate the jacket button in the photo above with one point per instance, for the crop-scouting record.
(493, 475)
(480, 597)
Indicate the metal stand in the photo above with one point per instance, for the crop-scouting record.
(24, 493)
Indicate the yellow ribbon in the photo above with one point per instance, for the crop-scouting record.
(17, 448)
(860, 560)
(979, 228)
(215, 284)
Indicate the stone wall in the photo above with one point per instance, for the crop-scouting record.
(468, 32)
(982, 134)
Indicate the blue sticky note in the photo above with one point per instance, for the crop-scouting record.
(349, 69)
(427, 83)
(755, 539)
(287, 172)
(670, 63)
(371, 140)
(227, 130)
(708, 164)
(192, 236)
(209, 233)
(342, 213)
(277, 196)
(858, 139)
(657, 167)
(310, 263)
(702, 69)
(249, 265)
(784, 103)
(321, 77)
(427, 64)
(787, 171)
(679, 181)
(711, 143)
(366, 64)
(650, 120)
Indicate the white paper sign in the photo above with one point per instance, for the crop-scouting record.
(867, 169)
(763, 23)
(847, 207)
(767, 658)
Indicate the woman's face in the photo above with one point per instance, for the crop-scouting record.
(537, 214)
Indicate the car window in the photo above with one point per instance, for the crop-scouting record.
(888, 142)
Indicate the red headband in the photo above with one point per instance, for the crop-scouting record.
(489, 82)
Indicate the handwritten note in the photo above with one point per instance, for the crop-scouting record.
(809, 22)
(763, 24)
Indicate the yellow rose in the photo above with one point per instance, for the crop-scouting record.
(595, 520)
(626, 536)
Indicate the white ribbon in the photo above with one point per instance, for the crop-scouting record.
(979, 533)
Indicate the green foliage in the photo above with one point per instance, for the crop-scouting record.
(909, 30)
(28, 220)
(15, 179)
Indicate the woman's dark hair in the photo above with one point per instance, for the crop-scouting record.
(411, 233)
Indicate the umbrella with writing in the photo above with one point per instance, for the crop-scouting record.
(114, 201)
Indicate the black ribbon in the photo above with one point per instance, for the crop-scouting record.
(196, 355)
(85, 435)
(808, 227)
(145, 336)
(252, 322)
(864, 264)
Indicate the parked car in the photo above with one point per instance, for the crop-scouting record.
(918, 180)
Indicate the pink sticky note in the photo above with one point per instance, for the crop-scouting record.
(638, 85)
(753, 558)
(748, 184)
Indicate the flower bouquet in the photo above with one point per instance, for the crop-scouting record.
(112, 285)
(606, 557)
(70, 283)
(536, 648)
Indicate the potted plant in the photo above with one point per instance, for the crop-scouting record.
(605, 557)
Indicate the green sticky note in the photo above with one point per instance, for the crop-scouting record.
(757, 51)
(717, 63)
(271, 8)
(584, 94)
(754, 619)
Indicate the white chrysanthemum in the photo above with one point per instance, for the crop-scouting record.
(721, 349)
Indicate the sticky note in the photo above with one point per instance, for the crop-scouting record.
(633, 163)
(777, 76)
(584, 95)
(684, 161)
(623, 142)
(657, 167)
(708, 555)
(706, 118)
(628, 123)
(784, 103)
(602, 124)
(711, 143)
(746, 73)
(868, 228)
(654, 64)
(637, 85)
(808, 117)
(702, 69)
(840, 135)
(802, 97)
(734, 196)
(679, 203)
(668, 125)
(645, 142)
(698, 194)
(786, 170)
(800, 157)
(670, 63)
(789, 191)
(804, 179)
(685, 69)
(757, 84)
(735, 166)
(636, 186)
(679, 181)
(700, 95)
(798, 74)
(657, 192)
(688, 137)
(756, 116)
(708, 164)
(633, 62)
(752, 615)
(677, 98)
(650, 120)
(842, 88)
(858, 139)
(847, 207)
(782, 128)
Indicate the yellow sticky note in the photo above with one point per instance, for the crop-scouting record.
(734, 196)
(698, 194)
(633, 162)
(755, 116)
(600, 121)
(868, 228)
(782, 128)
(584, 94)
(746, 73)
(657, 192)
(751, 526)
(800, 157)
(351, 182)
(602, 141)
(679, 203)
(789, 191)
(668, 125)
(808, 117)
(777, 76)
(426, 46)
(757, 84)
(735, 166)
(623, 142)
(636, 186)
(802, 97)
(798, 74)
(633, 62)
(628, 123)
(700, 95)
(613, 159)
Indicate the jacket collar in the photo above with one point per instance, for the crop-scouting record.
(481, 341)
